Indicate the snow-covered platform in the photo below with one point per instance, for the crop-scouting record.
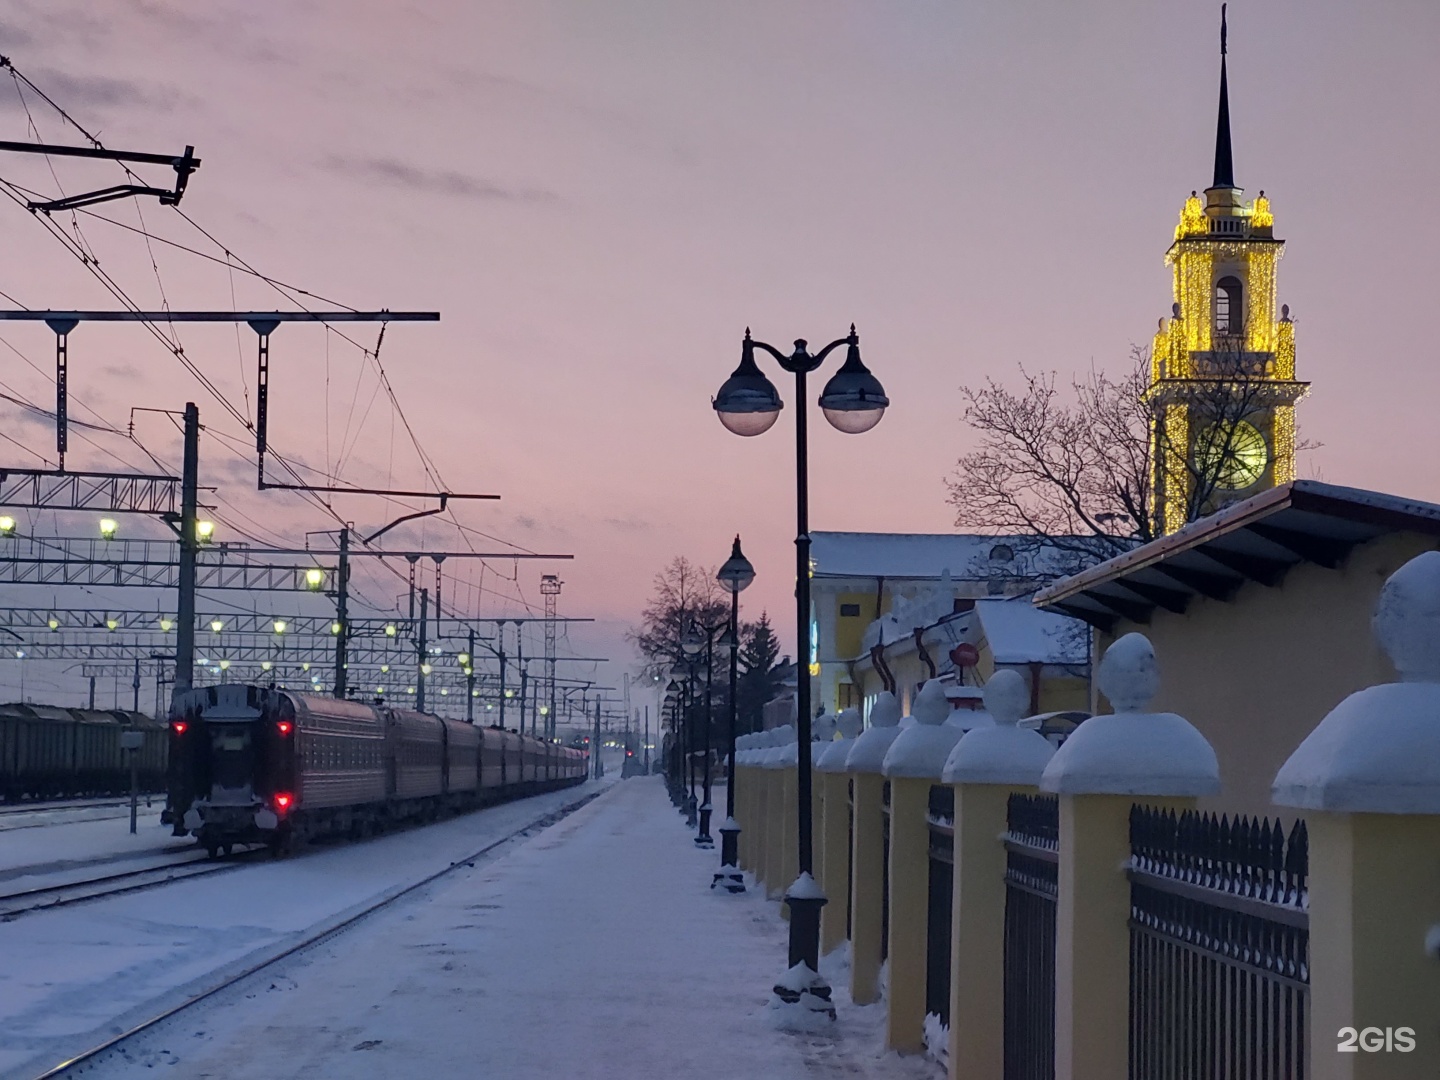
(594, 949)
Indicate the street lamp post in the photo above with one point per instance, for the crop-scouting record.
(736, 574)
(748, 404)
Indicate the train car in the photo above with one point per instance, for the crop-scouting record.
(462, 760)
(259, 765)
(492, 761)
(47, 752)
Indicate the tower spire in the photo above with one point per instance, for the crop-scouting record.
(1224, 166)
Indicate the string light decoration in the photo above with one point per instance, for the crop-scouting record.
(1184, 365)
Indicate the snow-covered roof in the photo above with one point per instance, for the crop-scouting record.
(1258, 539)
(1020, 633)
(967, 556)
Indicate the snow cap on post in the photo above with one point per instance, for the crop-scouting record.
(868, 753)
(1378, 751)
(832, 759)
(780, 737)
(920, 750)
(1001, 753)
(822, 731)
(1130, 751)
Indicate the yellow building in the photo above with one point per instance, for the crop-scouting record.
(1222, 382)
(1260, 616)
(858, 577)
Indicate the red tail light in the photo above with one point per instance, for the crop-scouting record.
(284, 727)
(283, 801)
(178, 727)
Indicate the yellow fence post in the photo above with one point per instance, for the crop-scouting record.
(987, 766)
(1103, 768)
(1370, 775)
(834, 847)
(867, 850)
(913, 766)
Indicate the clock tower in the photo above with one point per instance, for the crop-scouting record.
(1222, 389)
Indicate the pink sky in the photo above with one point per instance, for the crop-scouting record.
(599, 198)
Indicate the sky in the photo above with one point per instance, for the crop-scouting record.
(600, 198)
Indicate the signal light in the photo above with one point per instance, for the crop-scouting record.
(178, 727)
(284, 727)
(283, 801)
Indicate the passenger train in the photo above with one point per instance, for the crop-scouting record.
(257, 765)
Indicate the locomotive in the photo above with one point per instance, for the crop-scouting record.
(257, 765)
(48, 752)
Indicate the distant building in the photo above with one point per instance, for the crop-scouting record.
(857, 578)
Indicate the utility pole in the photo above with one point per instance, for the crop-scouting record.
(501, 626)
(189, 542)
(470, 680)
(92, 690)
(595, 743)
(550, 588)
(135, 683)
(524, 681)
(520, 663)
(424, 652)
(342, 612)
(647, 740)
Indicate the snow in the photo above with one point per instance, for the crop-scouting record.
(805, 887)
(70, 975)
(1000, 753)
(594, 949)
(835, 756)
(1020, 633)
(1378, 751)
(868, 753)
(919, 752)
(1132, 752)
(928, 555)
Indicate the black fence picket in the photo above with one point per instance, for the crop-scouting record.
(1031, 890)
(1219, 947)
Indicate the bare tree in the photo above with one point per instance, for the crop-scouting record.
(683, 593)
(1079, 470)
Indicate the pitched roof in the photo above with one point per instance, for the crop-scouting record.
(1020, 633)
(967, 556)
(1258, 540)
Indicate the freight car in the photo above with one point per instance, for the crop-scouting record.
(251, 764)
(53, 753)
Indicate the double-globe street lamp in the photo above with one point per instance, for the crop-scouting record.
(748, 404)
(736, 574)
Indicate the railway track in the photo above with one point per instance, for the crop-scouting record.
(34, 817)
(321, 933)
(47, 897)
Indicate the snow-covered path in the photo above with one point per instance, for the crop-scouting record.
(595, 949)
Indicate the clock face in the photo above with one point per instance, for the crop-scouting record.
(1234, 454)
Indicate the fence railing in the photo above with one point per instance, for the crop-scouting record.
(1219, 947)
(1032, 888)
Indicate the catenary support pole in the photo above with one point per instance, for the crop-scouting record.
(424, 649)
(189, 542)
(342, 613)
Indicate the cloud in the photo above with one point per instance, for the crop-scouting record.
(628, 524)
(400, 174)
(526, 522)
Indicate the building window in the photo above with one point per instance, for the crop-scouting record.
(1229, 306)
(849, 610)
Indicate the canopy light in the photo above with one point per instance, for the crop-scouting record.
(314, 579)
(108, 528)
(204, 531)
(464, 658)
(304, 667)
(279, 625)
(54, 623)
(216, 626)
(335, 628)
(390, 629)
(509, 693)
(7, 525)
(111, 623)
(444, 692)
(166, 625)
(224, 665)
(384, 669)
(425, 669)
(265, 665)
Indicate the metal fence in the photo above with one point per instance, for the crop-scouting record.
(1219, 947)
(1032, 843)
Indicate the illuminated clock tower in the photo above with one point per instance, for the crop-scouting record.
(1222, 387)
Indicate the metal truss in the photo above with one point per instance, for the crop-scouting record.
(154, 564)
(112, 493)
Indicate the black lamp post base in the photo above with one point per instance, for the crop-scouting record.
(704, 840)
(729, 875)
(802, 993)
(691, 818)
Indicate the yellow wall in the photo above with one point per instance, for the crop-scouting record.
(849, 629)
(1256, 674)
